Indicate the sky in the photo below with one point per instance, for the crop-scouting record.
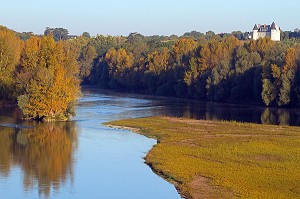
(148, 17)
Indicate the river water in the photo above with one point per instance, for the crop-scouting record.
(85, 159)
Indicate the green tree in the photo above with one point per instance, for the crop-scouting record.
(25, 35)
(269, 92)
(57, 33)
(103, 43)
(87, 56)
(285, 91)
(209, 35)
(86, 34)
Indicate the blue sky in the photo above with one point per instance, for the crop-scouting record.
(148, 17)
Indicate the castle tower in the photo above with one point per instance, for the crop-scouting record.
(255, 32)
(275, 32)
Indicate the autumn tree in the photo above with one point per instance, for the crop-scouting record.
(290, 88)
(10, 48)
(261, 46)
(119, 63)
(216, 57)
(158, 61)
(155, 67)
(183, 50)
(182, 53)
(47, 79)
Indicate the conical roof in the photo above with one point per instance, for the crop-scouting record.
(255, 27)
(273, 26)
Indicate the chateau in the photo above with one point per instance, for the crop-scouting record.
(262, 31)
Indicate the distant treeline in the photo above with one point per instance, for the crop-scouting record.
(63, 34)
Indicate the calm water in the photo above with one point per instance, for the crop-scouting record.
(84, 159)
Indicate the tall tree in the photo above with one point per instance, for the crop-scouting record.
(10, 48)
(120, 63)
(269, 92)
(50, 85)
(86, 58)
(158, 61)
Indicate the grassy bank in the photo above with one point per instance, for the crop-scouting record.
(213, 159)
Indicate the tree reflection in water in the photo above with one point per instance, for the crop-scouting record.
(45, 154)
(236, 112)
(276, 116)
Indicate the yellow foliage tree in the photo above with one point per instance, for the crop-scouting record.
(291, 58)
(261, 45)
(118, 62)
(214, 52)
(48, 79)
(10, 48)
(158, 61)
(182, 48)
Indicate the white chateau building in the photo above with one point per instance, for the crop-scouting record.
(262, 31)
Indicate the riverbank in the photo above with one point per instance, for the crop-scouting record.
(217, 159)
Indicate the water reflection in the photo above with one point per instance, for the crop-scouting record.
(142, 106)
(44, 154)
(235, 112)
(278, 116)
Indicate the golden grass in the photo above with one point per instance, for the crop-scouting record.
(218, 159)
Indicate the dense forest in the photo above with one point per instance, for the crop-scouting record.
(42, 73)
(216, 67)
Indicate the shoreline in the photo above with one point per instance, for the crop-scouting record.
(149, 164)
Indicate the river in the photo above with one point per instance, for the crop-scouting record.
(85, 159)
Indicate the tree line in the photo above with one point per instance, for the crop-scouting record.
(43, 73)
